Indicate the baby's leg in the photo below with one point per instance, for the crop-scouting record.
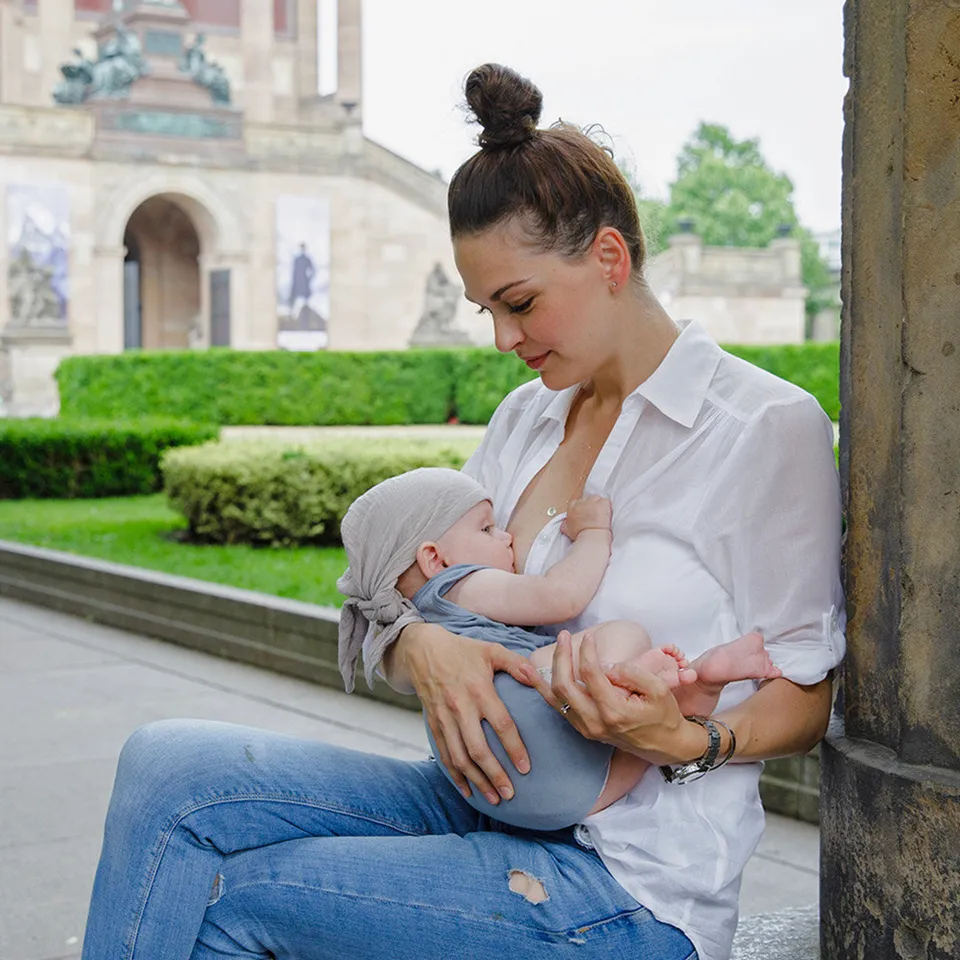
(620, 641)
(742, 659)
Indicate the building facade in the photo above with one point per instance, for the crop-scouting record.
(170, 177)
(740, 294)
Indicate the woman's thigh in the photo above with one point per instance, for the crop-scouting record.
(189, 793)
(215, 775)
(486, 894)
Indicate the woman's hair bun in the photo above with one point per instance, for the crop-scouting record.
(505, 104)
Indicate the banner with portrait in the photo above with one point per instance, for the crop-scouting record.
(38, 247)
(303, 272)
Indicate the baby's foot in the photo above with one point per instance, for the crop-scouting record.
(742, 659)
(669, 664)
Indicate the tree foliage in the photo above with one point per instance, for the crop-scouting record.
(728, 191)
(731, 197)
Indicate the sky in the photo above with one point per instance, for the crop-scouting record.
(648, 71)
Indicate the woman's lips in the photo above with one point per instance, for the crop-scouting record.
(535, 363)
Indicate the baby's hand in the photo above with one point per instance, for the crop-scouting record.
(587, 513)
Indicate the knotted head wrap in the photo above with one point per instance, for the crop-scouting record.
(381, 533)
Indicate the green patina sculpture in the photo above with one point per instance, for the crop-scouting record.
(119, 63)
(205, 72)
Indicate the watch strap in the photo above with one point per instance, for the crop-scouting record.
(695, 769)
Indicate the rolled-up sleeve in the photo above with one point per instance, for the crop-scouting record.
(769, 530)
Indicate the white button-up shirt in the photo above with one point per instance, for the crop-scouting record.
(726, 519)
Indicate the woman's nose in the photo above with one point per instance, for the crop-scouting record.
(507, 334)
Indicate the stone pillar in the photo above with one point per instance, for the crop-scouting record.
(56, 39)
(108, 270)
(307, 50)
(349, 57)
(257, 40)
(890, 789)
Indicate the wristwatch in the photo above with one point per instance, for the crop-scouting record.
(695, 769)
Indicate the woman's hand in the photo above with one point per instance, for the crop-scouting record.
(620, 705)
(453, 677)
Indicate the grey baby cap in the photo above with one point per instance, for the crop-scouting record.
(381, 533)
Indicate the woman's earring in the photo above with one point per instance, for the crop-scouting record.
(613, 283)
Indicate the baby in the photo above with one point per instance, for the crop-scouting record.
(424, 545)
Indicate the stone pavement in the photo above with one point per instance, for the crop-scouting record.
(71, 692)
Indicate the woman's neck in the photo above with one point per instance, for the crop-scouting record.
(645, 334)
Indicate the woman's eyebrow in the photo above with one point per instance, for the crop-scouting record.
(499, 293)
(496, 296)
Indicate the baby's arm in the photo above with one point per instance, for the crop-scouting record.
(563, 591)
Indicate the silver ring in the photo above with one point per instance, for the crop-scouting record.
(564, 707)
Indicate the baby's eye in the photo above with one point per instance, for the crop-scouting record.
(487, 528)
(522, 307)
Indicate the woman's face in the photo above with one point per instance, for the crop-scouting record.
(549, 309)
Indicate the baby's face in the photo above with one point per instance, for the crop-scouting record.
(475, 539)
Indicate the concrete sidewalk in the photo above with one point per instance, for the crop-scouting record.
(71, 692)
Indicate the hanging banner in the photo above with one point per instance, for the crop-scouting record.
(303, 272)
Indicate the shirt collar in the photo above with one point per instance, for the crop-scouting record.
(678, 387)
(559, 405)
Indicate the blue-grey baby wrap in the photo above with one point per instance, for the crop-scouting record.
(567, 771)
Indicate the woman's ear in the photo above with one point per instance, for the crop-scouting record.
(613, 257)
(429, 559)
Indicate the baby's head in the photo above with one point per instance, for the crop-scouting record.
(397, 536)
(405, 530)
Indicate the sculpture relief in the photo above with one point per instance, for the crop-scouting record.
(435, 327)
(119, 63)
(205, 72)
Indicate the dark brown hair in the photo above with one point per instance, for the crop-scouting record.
(562, 185)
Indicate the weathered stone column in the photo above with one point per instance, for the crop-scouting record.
(890, 789)
(307, 50)
(349, 56)
(257, 40)
(56, 37)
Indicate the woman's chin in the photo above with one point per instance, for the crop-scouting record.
(558, 379)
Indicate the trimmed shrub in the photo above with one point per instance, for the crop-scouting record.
(42, 458)
(483, 379)
(316, 389)
(264, 492)
(272, 387)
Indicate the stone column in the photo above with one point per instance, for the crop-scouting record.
(56, 39)
(890, 790)
(108, 270)
(307, 49)
(256, 38)
(349, 57)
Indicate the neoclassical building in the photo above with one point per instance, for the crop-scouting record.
(170, 177)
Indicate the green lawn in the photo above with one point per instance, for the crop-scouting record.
(136, 530)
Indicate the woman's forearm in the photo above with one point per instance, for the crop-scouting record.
(781, 719)
(393, 665)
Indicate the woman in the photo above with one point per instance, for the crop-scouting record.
(225, 841)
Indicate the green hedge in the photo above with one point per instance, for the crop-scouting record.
(303, 389)
(275, 387)
(42, 458)
(264, 492)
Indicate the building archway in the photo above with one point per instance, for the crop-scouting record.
(210, 235)
(162, 297)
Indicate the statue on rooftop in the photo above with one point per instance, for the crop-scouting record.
(205, 72)
(120, 62)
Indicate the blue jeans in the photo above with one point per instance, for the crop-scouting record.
(226, 841)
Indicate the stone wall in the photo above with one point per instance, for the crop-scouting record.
(740, 294)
